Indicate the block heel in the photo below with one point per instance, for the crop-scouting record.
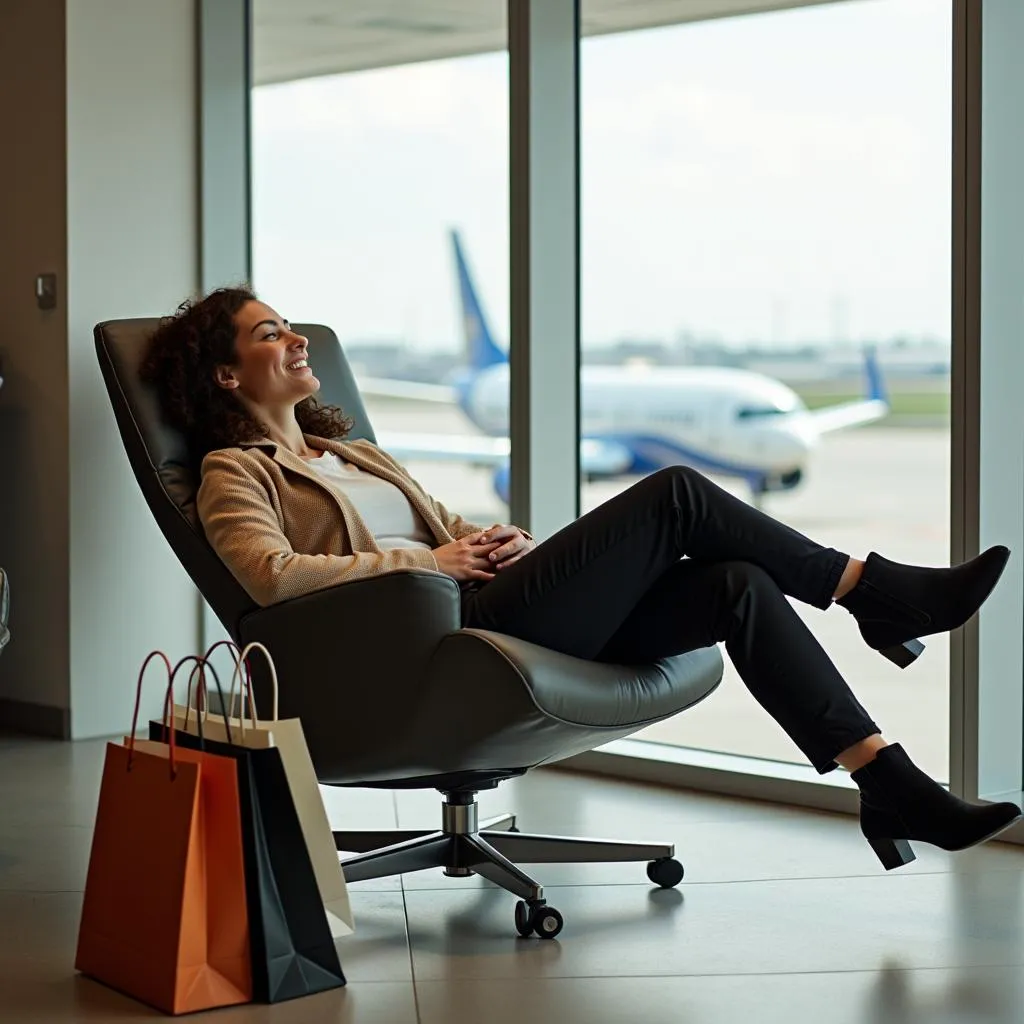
(903, 655)
(893, 853)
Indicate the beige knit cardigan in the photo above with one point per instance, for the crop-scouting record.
(283, 531)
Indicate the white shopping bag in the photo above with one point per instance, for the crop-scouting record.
(287, 735)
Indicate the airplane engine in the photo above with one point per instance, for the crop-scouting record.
(779, 482)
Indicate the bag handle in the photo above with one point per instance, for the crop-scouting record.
(138, 702)
(236, 656)
(201, 665)
(202, 713)
(243, 660)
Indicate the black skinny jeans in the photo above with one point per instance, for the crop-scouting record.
(615, 586)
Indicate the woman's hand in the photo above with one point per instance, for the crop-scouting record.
(467, 558)
(513, 543)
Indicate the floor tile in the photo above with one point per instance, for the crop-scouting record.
(45, 782)
(910, 921)
(379, 949)
(47, 993)
(44, 857)
(46, 929)
(885, 996)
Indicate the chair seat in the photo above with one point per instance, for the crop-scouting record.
(600, 694)
(494, 700)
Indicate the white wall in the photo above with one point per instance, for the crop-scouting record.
(132, 251)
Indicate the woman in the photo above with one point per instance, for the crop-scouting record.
(291, 507)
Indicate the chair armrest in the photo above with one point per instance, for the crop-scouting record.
(353, 656)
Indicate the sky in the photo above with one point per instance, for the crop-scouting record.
(781, 177)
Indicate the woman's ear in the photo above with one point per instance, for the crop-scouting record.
(225, 378)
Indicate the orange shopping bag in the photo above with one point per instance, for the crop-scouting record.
(164, 916)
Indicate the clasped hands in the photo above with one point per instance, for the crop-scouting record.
(480, 555)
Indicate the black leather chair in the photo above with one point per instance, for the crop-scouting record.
(457, 710)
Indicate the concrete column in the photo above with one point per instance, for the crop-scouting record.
(987, 695)
(544, 353)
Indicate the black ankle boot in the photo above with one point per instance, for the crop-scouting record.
(894, 604)
(899, 802)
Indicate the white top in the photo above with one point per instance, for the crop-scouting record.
(386, 510)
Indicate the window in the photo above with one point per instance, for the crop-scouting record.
(766, 204)
(380, 208)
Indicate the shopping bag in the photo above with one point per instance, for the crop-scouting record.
(164, 916)
(288, 737)
(291, 946)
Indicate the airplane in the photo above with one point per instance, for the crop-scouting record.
(634, 419)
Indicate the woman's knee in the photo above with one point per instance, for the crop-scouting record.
(672, 476)
(739, 578)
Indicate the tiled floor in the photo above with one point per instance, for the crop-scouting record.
(784, 916)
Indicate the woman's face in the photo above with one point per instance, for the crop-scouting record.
(270, 369)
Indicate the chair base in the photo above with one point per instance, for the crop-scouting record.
(492, 848)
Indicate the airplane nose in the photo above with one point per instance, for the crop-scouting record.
(786, 447)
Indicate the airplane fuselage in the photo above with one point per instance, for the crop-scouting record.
(636, 419)
(741, 420)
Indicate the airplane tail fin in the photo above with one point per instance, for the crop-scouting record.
(874, 405)
(481, 350)
(876, 391)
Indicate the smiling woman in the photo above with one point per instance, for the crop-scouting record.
(216, 360)
(234, 377)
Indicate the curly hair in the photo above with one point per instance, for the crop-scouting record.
(180, 361)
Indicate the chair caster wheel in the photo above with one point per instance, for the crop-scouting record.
(547, 922)
(665, 872)
(524, 919)
(540, 920)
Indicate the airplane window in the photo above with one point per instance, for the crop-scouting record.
(750, 413)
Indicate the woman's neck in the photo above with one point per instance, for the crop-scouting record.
(284, 430)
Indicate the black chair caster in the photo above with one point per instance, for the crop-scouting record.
(537, 919)
(665, 872)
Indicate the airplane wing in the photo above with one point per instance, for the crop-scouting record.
(847, 414)
(379, 387)
(873, 406)
(474, 449)
(600, 458)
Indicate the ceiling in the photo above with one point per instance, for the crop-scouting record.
(304, 38)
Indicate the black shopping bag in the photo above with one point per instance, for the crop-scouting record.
(293, 952)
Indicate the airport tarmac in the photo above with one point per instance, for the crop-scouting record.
(880, 488)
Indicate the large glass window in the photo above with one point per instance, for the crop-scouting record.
(380, 208)
(766, 235)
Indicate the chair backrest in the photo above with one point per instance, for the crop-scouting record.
(160, 458)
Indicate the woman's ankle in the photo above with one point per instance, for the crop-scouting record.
(850, 578)
(861, 753)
